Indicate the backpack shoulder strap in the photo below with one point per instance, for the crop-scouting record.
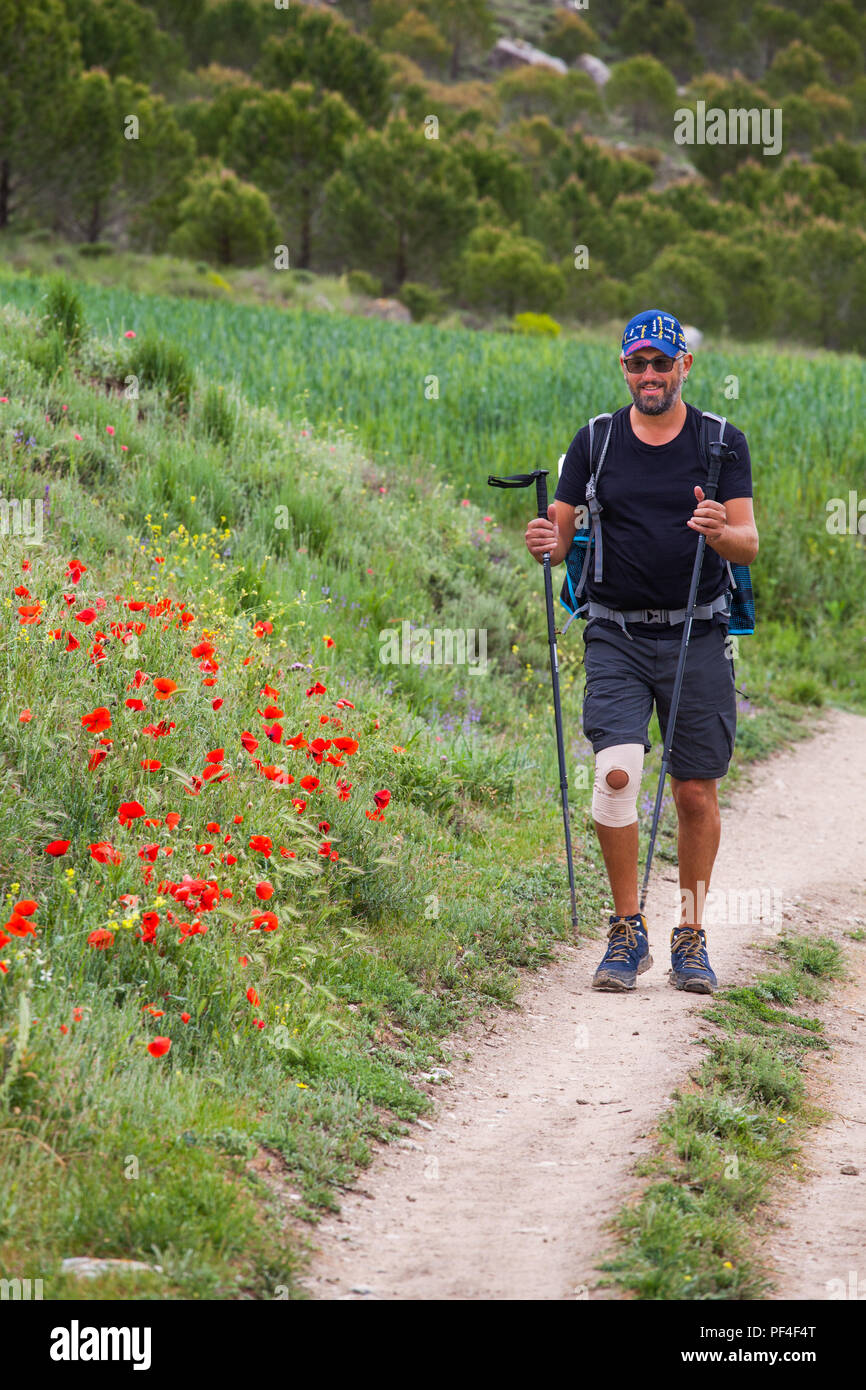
(605, 415)
(707, 435)
(595, 508)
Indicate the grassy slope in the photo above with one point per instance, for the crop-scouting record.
(378, 956)
(505, 403)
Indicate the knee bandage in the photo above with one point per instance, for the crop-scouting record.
(617, 805)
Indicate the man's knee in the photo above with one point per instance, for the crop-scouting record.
(695, 796)
(618, 772)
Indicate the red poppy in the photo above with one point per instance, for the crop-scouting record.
(97, 756)
(252, 996)
(25, 716)
(163, 687)
(185, 1018)
(381, 799)
(87, 615)
(347, 745)
(264, 890)
(105, 853)
(57, 847)
(159, 1047)
(135, 703)
(129, 810)
(101, 939)
(26, 907)
(172, 819)
(19, 926)
(151, 764)
(262, 843)
(159, 730)
(265, 921)
(97, 720)
(310, 784)
(72, 643)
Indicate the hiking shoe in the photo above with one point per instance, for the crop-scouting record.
(627, 954)
(690, 966)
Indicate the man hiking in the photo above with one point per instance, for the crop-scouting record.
(654, 509)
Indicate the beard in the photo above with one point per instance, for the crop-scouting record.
(656, 405)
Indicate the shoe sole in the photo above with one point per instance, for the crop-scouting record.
(613, 984)
(692, 986)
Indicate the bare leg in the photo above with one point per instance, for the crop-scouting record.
(700, 829)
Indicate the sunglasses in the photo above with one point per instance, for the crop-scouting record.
(636, 365)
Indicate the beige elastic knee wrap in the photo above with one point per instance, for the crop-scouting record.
(611, 805)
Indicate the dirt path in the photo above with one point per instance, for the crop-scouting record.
(506, 1194)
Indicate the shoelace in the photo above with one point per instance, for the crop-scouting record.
(618, 950)
(692, 944)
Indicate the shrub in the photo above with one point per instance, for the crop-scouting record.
(48, 353)
(95, 248)
(218, 414)
(536, 325)
(421, 301)
(362, 282)
(161, 363)
(63, 309)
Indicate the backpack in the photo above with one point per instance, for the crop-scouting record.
(587, 543)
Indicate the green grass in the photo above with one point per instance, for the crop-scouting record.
(380, 955)
(690, 1233)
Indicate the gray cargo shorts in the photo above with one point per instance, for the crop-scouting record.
(624, 678)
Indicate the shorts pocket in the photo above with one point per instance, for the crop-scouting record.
(728, 722)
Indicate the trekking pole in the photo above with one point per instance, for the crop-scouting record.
(539, 477)
(716, 450)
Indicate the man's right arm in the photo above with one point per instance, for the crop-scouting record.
(557, 533)
(554, 535)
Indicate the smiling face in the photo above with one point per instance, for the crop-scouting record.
(655, 392)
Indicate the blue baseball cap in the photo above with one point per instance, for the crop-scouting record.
(654, 329)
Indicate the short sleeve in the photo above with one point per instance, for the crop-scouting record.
(574, 474)
(735, 479)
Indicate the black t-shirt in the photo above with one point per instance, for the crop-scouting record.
(647, 495)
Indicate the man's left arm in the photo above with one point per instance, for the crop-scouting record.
(728, 526)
